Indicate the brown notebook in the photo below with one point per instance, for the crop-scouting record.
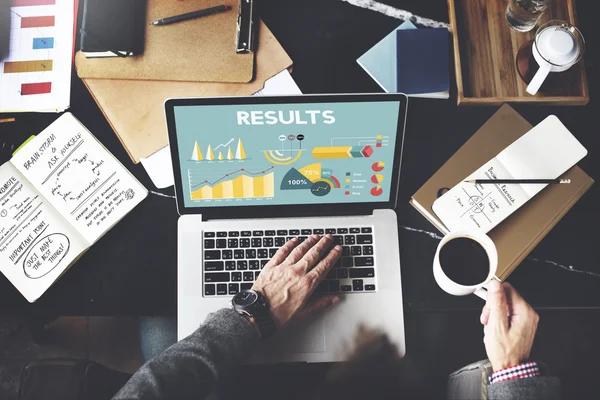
(135, 109)
(200, 50)
(517, 235)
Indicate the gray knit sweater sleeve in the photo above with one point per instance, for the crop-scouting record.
(190, 368)
(537, 388)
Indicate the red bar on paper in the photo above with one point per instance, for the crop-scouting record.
(37, 22)
(26, 3)
(36, 88)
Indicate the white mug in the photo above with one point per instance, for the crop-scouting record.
(558, 45)
(456, 289)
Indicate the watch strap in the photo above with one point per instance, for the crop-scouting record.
(264, 320)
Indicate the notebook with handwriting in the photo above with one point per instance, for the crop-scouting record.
(59, 194)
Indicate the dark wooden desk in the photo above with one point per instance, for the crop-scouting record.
(132, 270)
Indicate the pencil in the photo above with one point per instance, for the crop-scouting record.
(2, 121)
(520, 181)
(192, 15)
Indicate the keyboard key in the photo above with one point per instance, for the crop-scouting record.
(346, 288)
(318, 231)
(338, 263)
(356, 250)
(216, 277)
(347, 262)
(331, 274)
(302, 238)
(209, 234)
(214, 265)
(370, 287)
(221, 243)
(323, 287)
(257, 233)
(334, 286)
(226, 254)
(330, 230)
(232, 243)
(342, 273)
(288, 238)
(361, 272)
(272, 252)
(253, 264)
(263, 263)
(242, 265)
(244, 243)
(263, 253)
(209, 243)
(246, 233)
(209, 290)
(367, 250)
(256, 242)
(294, 232)
(270, 233)
(349, 239)
(212, 254)
(354, 230)
(364, 239)
(248, 276)
(234, 234)
(342, 230)
(221, 289)
(256, 274)
(345, 251)
(364, 261)
(306, 231)
(250, 253)
(236, 276)
(282, 232)
(357, 285)
(268, 242)
(246, 286)
(279, 241)
(366, 230)
(230, 265)
(338, 239)
(238, 254)
(234, 288)
(221, 234)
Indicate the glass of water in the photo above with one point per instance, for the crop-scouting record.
(522, 15)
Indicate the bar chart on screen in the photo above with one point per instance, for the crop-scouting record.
(36, 74)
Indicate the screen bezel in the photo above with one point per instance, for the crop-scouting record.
(285, 210)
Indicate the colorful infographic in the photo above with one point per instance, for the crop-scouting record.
(287, 153)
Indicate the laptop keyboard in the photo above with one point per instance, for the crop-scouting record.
(233, 259)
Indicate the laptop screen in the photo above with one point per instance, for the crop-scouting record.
(286, 154)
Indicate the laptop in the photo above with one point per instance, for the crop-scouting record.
(254, 172)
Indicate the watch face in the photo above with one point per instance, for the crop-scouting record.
(245, 298)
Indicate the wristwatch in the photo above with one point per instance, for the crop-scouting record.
(254, 305)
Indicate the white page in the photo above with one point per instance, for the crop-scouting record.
(45, 84)
(36, 243)
(545, 152)
(79, 177)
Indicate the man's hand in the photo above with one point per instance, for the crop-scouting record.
(288, 280)
(509, 326)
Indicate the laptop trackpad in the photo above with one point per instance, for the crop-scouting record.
(307, 337)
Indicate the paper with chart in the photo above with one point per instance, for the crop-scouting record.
(36, 243)
(36, 75)
(545, 152)
(79, 177)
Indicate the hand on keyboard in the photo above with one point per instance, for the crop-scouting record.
(294, 272)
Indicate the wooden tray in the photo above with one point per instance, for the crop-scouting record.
(485, 51)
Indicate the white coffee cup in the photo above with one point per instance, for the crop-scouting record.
(557, 47)
(454, 288)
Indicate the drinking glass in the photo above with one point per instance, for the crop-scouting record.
(522, 15)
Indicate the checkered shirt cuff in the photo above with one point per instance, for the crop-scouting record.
(525, 370)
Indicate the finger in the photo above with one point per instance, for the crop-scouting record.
(496, 301)
(517, 302)
(283, 252)
(317, 305)
(301, 250)
(323, 267)
(485, 315)
(311, 258)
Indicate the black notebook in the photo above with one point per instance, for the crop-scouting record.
(113, 28)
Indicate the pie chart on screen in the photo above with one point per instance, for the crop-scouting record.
(378, 166)
(377, 178)
(377, 191)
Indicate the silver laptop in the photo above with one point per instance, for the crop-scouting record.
(253, 172)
